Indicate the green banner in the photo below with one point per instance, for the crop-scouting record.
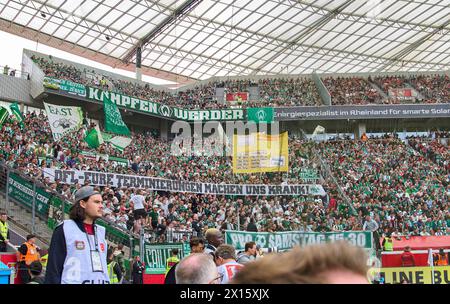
(113, 119)
(65, 85)
(289, 239)
(21, 191)
(121, 161)
(3, 115)
(260, 115)
(16, 111)
(309, 174)
(156, 255)
(143, 106)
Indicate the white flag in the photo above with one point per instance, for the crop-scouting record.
(319, 130)
(63, 119)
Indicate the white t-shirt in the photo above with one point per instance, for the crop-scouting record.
(229, 270)
(138, 201)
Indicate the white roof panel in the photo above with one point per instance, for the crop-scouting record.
(227, 37)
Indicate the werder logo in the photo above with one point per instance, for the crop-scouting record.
(165, 111)
(261, 115)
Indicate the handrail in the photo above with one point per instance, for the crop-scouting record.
(329, 173)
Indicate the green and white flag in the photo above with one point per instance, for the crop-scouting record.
(63, 119)
(259, 115)
(113, 119)
(118, 142)
(3, 115)
(16, 111)
(94, 138)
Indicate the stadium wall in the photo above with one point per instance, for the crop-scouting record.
(14, 89)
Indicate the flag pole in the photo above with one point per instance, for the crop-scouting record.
(431, 263)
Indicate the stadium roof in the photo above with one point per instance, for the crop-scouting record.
(193, 39)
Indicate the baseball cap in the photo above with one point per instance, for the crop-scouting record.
(84, 192)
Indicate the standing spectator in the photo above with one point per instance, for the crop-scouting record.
(407, 258)
(119, 257)
(249, 254)
(136, 164)
(196, 225)
(114, 272)
(214, 238)
(388, 243)
(373, 226)
(440, 259)
(4, 231)
(137, 270)
(197, 246)
(26, 254)
(173, 260)
(6, 70)
(225, 258)
(138, 201)
(78, 249)
(252, 226)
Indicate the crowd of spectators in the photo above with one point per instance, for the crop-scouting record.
(288, 92)
(434, 149)
(405, 192)
(402, 189)
(434, 88)
(351, 90)
(274, 92)
(32, 148)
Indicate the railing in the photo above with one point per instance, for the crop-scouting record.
(169, 236)
(327, 173)
(7, 70)
(45, 205)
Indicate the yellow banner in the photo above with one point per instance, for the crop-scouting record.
(260, 152)
(417, 275)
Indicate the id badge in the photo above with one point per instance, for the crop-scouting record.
(96, 261)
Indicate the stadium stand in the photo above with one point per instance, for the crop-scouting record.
(363, 94)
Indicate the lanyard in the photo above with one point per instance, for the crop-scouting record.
(95, 239)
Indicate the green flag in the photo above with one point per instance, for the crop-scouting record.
(118, 142)
(94, 138)
(260, 115)
(3, 115)
(15, 110)
(113, 119)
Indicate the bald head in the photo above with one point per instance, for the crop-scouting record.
(197, 268)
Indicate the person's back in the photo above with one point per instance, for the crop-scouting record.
(407, 259)
(228, 270)
(244, 258)
(173, 260)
